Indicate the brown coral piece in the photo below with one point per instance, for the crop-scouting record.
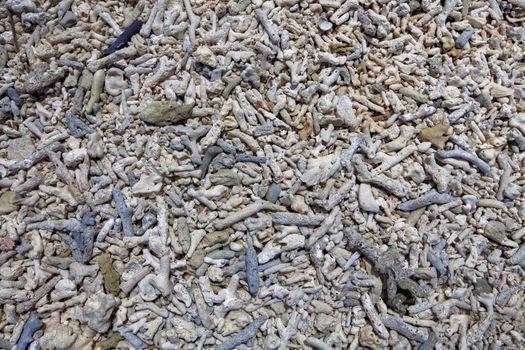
(436, 134)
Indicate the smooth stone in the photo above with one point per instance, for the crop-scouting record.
(482, 286)
(166, 112)
(349, 302)
(69, 19)
(322, 307)
(221, 254)
(20, 149)
(495, 231)
(272, 195)
(197, 258)
(226, 177)
(8, 201)
(216, 237)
